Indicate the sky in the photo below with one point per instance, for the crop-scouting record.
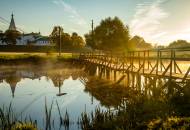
(157, 21)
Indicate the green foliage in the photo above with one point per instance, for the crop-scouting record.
(170, 123)
(25, 126)
(179, 44)
(10, 121)
(110, 35)
(67, 41)
(11, 36)
(180, 100)
(139, 43)
(77, 40)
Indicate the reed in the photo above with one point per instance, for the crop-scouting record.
(48, 113)
(63, 121)
(136, 113)
(9, 120)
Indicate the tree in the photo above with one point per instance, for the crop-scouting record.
(179, 44)
(139, 43)
(77, 41)
(11, 36)
(67, 41)
(56, 35)
(110, 35)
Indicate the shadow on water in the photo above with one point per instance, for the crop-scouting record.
(131, 99)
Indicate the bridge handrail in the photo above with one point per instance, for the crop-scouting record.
(165, 54)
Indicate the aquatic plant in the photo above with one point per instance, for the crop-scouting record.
(63, 121)
(10, 121)
(48, 115)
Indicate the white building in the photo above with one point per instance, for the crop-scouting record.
(35, 39)
(42, 41)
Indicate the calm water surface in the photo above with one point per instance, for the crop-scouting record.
(26, 87)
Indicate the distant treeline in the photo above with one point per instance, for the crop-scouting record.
(176, 44)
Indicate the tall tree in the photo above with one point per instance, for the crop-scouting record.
(111, 35)
(56, 34)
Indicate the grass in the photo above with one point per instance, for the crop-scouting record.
(170, 123)
(10, 121)
(120, 119)
(20, 58)
(64, 120)
(26, 126)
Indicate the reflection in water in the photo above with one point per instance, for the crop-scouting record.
(13, 76)
(139, 98)
(79, 87)
(27, 86)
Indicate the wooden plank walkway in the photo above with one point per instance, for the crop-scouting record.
(160, 63)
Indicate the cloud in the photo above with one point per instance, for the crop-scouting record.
(147, 20)
(73, 30)
(158, 35)
(184, 34)
(74, 16)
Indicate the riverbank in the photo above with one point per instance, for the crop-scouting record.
(17, 58)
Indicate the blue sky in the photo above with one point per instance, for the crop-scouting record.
(158, 21)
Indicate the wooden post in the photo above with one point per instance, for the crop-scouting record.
(157, 62)
(139, 59)
(161, 61)
(144, 61)
(171, 65)
(132, 64)
(148, 59)
(123, 60)
(174, 59)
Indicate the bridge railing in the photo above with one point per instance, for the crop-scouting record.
(167, 61)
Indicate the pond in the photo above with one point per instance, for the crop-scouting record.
(78, 88)
(27, 86)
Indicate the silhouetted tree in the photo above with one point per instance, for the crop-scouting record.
(11, 36)
(179, 44)
(111, 35)
(67, 41)
(55, 35)
(139, 43)
(77, 41)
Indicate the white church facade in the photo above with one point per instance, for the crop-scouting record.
(35, 39)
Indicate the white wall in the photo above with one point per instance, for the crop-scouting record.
(24, 40)
(42, 43)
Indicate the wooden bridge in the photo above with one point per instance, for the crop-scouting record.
(162, 63)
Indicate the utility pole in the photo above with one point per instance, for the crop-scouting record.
(60, 40)
(92, 31)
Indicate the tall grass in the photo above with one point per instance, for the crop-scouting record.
(131, 115)
(48, 113)
(9, 120)
(64, 120)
